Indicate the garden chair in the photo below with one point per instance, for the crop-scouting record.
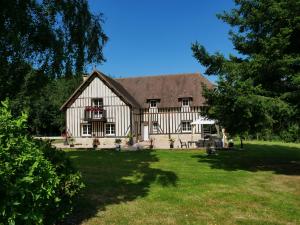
(182, 143)
(200, 143)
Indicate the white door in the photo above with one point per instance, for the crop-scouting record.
(146, 133)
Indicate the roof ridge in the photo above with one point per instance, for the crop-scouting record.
(161, 75)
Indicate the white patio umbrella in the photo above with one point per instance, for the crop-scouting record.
(203, 120)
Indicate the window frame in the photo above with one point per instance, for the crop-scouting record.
(185, 100)
(110, 129)
(97, 114)
(185, 128)
(150, 104)
(88, 130)
(99, 100)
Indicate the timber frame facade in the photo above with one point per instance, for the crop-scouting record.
(143, 107)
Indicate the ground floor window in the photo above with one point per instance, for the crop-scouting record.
(110, 129)
(186, 126)
(86, 129)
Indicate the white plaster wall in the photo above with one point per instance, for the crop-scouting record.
(116, 110)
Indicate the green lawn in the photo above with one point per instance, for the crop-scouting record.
(260, 185)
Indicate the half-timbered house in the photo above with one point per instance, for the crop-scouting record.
(146, 107)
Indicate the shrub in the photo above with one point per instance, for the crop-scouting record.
(118, 141)
(38, 183)
(292, 134)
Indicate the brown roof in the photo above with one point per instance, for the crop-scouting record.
(109, 82)
(121, 91)
(167, 88)
(135, 91)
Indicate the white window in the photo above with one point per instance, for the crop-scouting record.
(110, 129)
(155, 127)
(185, 102)
(86, 130)
(186, 126)
(153, 104)
(98, 104)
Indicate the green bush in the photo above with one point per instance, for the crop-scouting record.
(292, 134)
(38, 184)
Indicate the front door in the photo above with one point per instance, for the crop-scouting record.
(146, 133)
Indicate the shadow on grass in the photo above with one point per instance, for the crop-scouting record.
(115, 177)
(257, 157)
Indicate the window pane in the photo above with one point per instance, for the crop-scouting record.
(86, 129)
(89, 129)
(97, 114)
(98, 102)
(185, 102)
(113, 129)
(110, 128)
(186, 126)
(183, 126)
(107, 129)
(152, 103)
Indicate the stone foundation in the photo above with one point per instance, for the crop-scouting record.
(104, 142)
(159, 141)
(162, 141)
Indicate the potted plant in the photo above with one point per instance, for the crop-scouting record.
(151, 143)
(71, 141)
(210, 149)
(118, 142)
(130, 139)
(171, 140)
(96, 142)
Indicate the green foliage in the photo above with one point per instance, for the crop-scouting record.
(260, 90)
(118, 141)
(292, 134)
(45, 46)
(42, 98)
(59, 37)
(38, 182)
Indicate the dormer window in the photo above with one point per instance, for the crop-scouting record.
(185, 102)
(153, 104)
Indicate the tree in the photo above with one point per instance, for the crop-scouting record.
(45, 47)
(38, 182)
(54, 37)
(259, 89)
(43, 104)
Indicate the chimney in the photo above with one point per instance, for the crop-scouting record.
(85, 77)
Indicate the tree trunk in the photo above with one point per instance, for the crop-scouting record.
(242, 146)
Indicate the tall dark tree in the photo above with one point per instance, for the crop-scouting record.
(55, 37)
(44, 47)
(259, 89)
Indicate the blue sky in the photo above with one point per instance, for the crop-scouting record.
(152, 37)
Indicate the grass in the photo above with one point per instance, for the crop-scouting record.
(260, 185)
